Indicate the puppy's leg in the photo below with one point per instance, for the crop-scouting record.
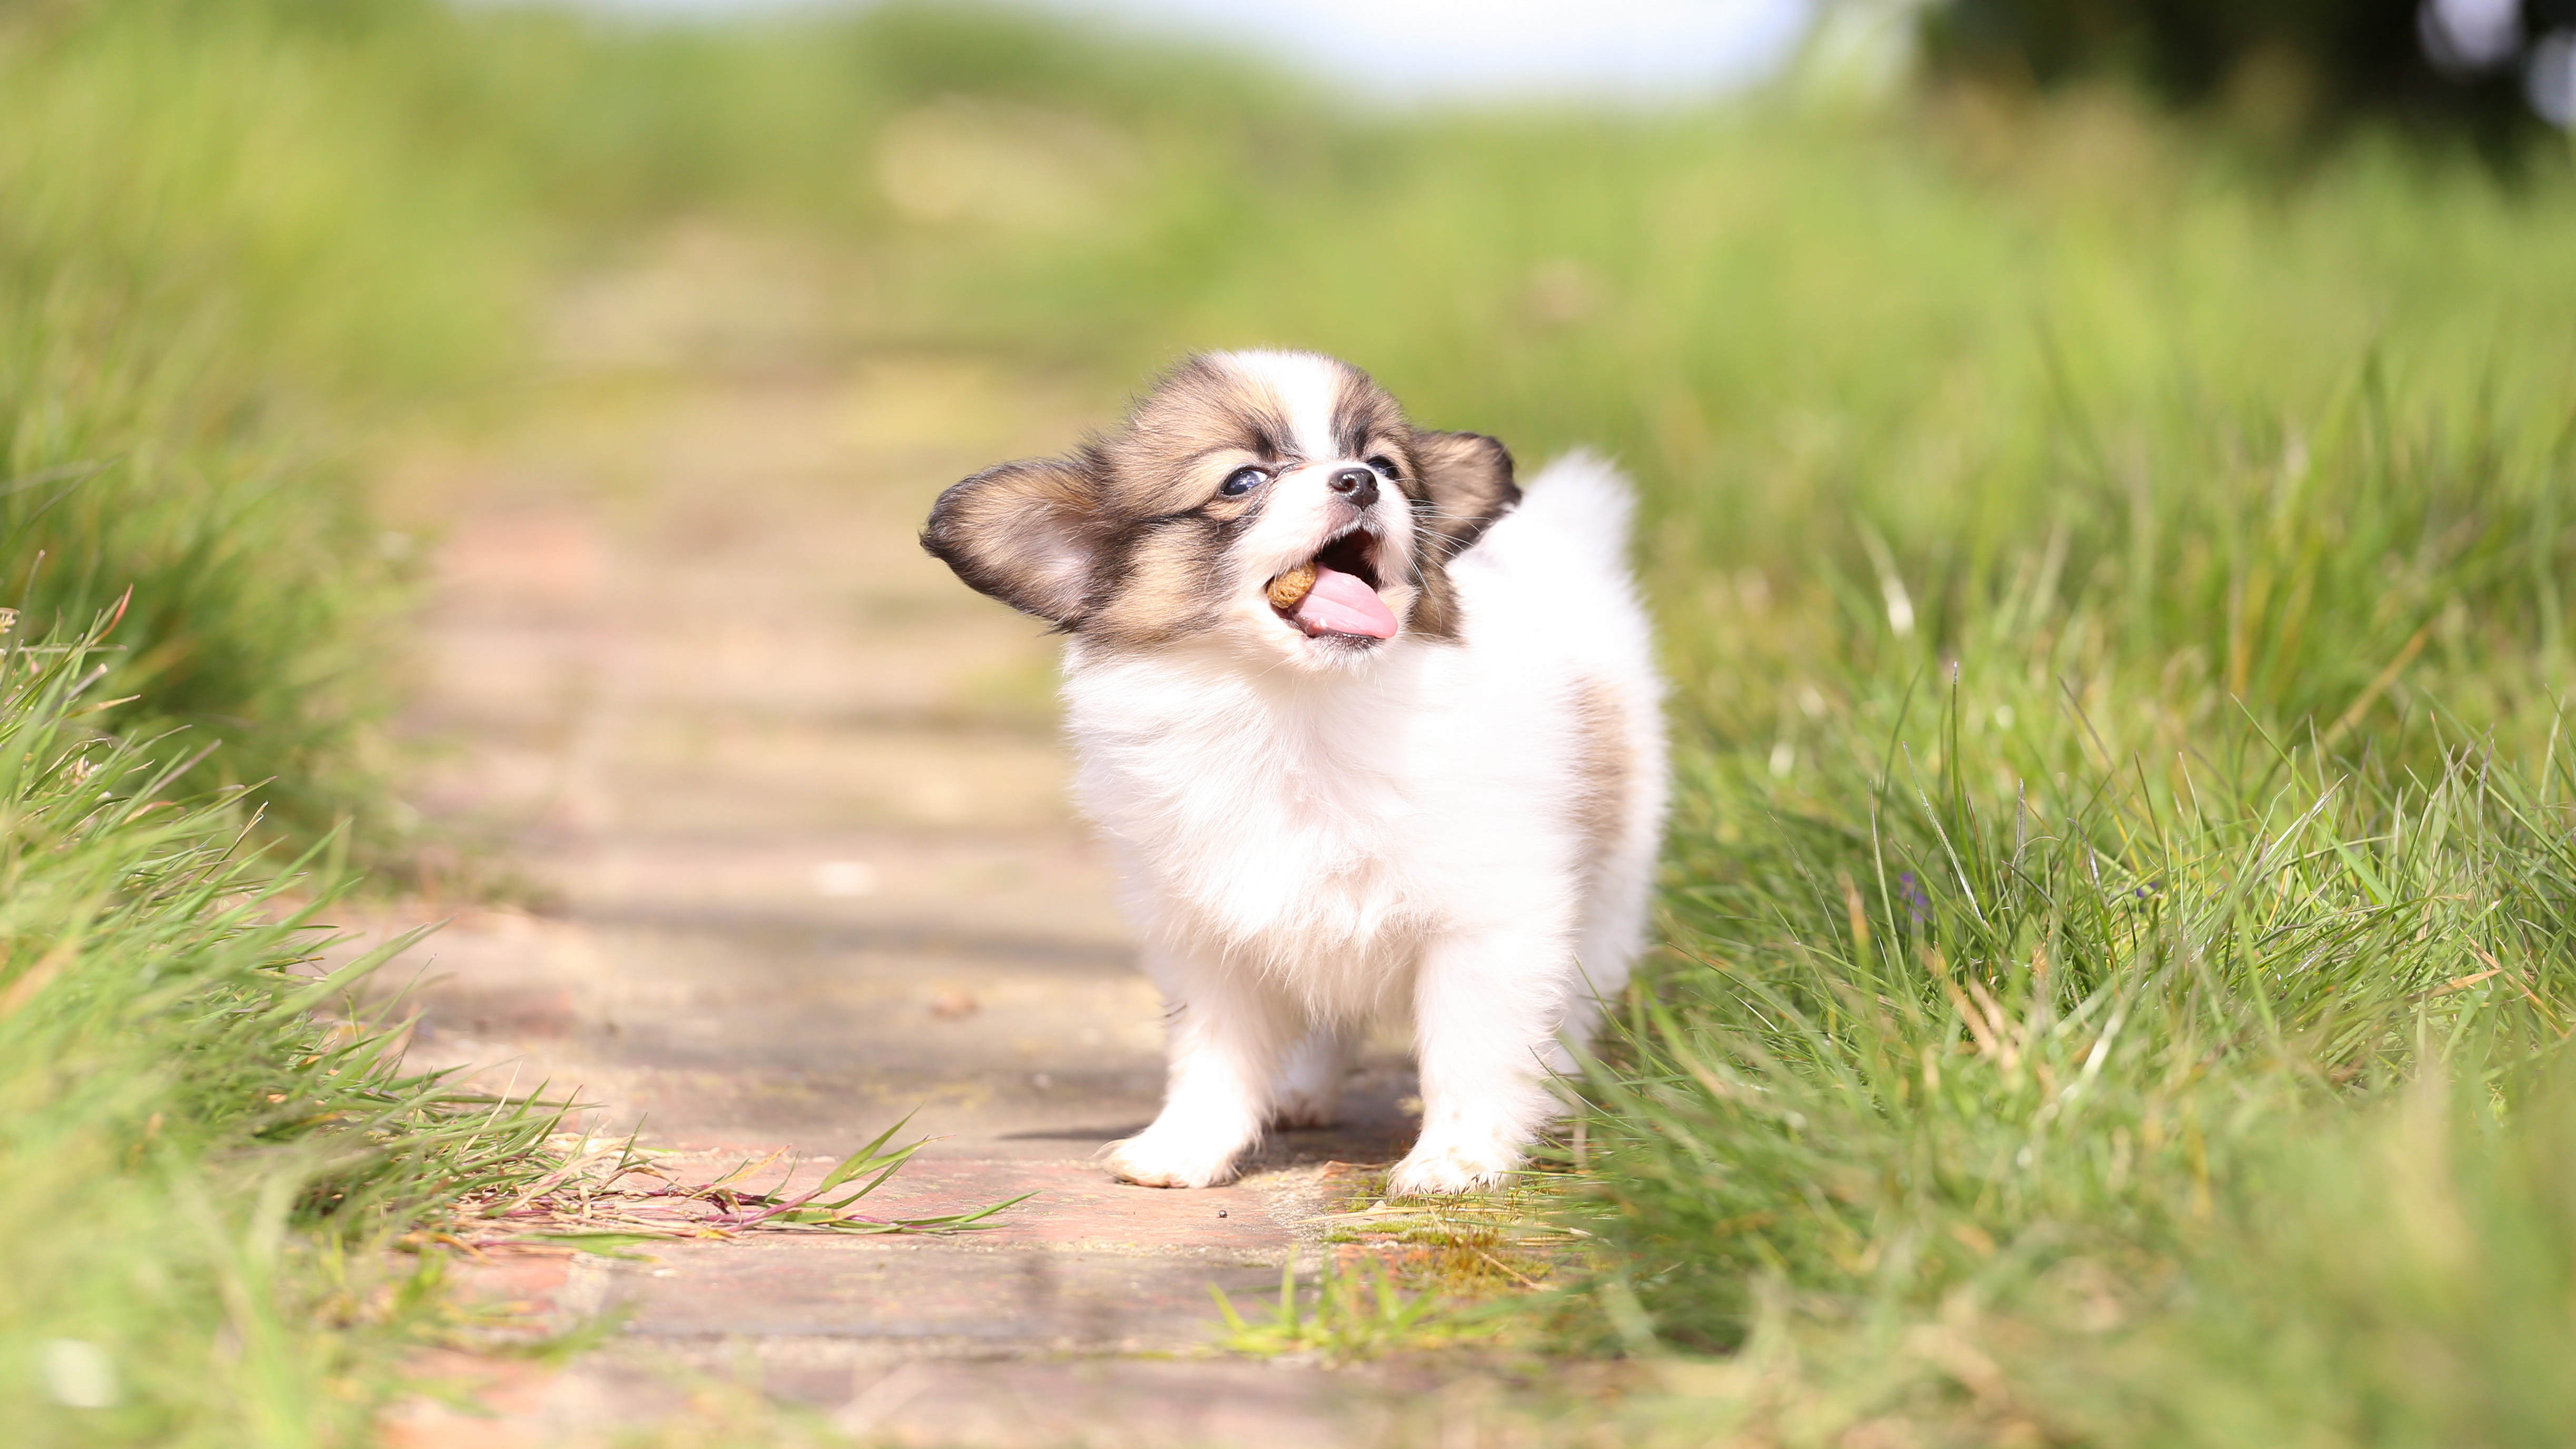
(1616, 910)
(1487, 1005)
(1309, 1091)
(1228, 1037)
(1611, 942)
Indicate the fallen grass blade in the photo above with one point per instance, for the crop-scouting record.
(621, 1191)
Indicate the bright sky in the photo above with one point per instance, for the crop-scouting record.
(1398, 49)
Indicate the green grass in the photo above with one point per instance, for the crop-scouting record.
(2102, 1092)
(1351, 1313)
(214, 267)
(207, 1180)
(2118, 904)
(209, 262)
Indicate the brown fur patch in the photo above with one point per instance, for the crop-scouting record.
(1602, 770)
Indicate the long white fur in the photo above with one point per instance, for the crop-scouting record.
(1306, 849)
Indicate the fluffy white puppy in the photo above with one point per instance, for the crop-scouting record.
(1367, 730)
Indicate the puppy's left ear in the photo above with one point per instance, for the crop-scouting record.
(1469, 479)
(1025, 533)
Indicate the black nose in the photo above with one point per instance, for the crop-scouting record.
(1359, 485)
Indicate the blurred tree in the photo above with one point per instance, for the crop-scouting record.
(2291, 70)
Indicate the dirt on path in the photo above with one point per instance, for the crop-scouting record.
(791, 812)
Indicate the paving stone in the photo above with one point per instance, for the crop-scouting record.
(487, 1402)
(931, 1298)
(1113, 1405)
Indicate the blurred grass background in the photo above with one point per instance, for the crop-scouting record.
(2110, 559)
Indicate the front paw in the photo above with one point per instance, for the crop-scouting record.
(1149, 1159)
(1450, 1168)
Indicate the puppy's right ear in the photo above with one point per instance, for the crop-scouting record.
(1025, 533)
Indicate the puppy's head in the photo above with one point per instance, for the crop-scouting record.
(1236, 480)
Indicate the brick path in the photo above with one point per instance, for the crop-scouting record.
(791, 807)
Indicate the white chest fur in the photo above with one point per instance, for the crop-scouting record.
(1277, 824)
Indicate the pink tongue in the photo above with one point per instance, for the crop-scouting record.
(1345, 604)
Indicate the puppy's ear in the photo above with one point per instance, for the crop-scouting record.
(1026, 533)
(1469, 479)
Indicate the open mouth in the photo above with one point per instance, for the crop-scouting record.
(1334, 594)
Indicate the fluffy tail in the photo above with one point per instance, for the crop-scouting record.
(1575, 512)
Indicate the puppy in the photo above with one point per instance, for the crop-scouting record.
(1366, 730)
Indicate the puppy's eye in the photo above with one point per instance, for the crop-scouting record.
(1385, 467)
(1242, 481)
